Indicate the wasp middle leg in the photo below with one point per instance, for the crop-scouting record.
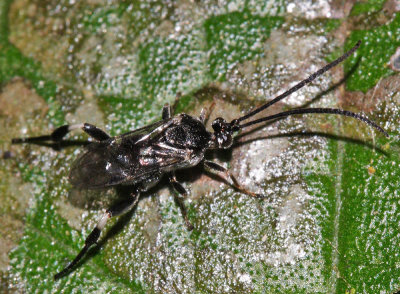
(179, 198)
(227, 175)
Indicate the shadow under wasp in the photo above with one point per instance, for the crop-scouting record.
(140, 158)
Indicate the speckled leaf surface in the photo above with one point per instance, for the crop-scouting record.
(329, 222)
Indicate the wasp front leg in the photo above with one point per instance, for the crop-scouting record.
(205, 113)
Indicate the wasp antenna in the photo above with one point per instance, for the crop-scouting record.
(302, 83)
(316, 110)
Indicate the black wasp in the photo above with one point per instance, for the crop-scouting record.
(141, 157)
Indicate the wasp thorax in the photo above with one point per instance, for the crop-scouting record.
(223, 133)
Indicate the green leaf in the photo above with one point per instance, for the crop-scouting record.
(235, 37)
(378, 45)
(329, 220)
(367, 7)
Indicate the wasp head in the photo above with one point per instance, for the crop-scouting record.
(223, 132)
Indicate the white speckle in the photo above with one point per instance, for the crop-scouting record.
(310, 9)
(232, 6)
(291, 7)
(244, 278)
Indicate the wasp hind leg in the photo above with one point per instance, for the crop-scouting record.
(118, 209)
(59, 133)
(179, 198)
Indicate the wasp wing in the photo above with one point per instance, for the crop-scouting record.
(97, 168)
(127, 159)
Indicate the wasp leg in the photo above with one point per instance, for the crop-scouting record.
(115, 210)
(168, 111)
(59, 133)
(176, 101)
(180, 199)
(212, 166)
(205, 113)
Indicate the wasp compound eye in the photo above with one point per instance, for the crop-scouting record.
(219, 124)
